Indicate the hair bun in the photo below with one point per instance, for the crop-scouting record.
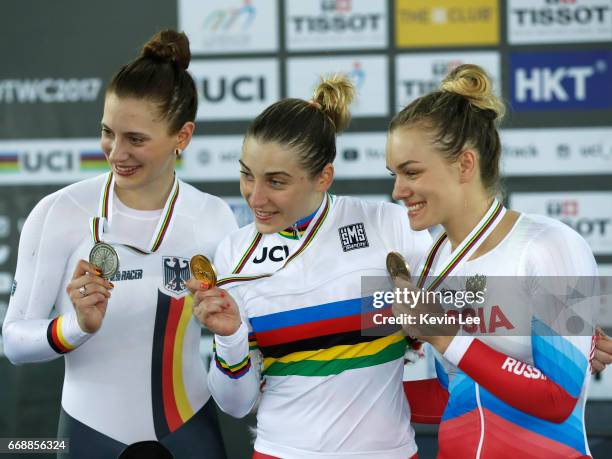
(335, 94)
(169, 45)
(472, 82)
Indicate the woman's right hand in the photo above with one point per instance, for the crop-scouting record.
(214, 308)
(89, 294)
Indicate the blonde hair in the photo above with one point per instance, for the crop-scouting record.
(472, 82)
(334, 95)
(464, 112)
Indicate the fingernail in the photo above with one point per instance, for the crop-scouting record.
(222, 294)
(204, 285)
(98, 272)
(111, 285)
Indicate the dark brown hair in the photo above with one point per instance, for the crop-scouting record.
(463, 113)
(160, 75)
(308, 126)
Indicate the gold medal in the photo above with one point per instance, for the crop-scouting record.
(397, 266)
(105, 258)
(203, 270)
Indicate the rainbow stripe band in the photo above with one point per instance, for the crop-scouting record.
(97, 223)
(106, 195)
(248, 253)
(233, 371)
(462, 253)
(56, 338)
(166, 223)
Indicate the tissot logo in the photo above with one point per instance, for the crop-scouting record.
(353, 237)
(580, 79)
(50, 90)
(337, 17)
(550, 21)
(588, 213)
(326, 24)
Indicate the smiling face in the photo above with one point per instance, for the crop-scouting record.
(137, 144)
(427, 183)
(276, 186)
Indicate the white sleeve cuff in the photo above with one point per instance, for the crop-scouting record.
(233, 348)
(457, 349)
(71, 330)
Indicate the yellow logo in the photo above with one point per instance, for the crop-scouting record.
(446, 23)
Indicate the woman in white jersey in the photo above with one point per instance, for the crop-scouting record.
(130, 344)
(519, 388)
(330, 389)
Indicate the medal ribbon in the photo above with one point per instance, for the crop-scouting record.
(464, 250)
(97, 224)
(305, 243)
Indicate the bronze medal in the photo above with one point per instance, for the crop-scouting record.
(397, 266)
(203, 270)
(105, 258)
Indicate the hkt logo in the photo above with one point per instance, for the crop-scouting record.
(222, 20)
(568, 80)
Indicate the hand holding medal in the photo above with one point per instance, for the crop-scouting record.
(213, 307)
(419, 318)
(89, 293)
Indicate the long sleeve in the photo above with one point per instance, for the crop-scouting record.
(558, 261)
(29, 334)
(234, 375)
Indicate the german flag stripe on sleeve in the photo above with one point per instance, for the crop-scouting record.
(56, 338)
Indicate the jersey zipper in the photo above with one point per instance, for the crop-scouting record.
(482, 425)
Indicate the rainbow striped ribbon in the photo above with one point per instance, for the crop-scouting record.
(97, 224)
(469, 245)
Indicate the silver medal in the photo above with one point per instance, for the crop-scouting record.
(105, 258)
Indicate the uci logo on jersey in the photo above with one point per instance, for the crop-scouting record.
(353, 237)
(276, 253)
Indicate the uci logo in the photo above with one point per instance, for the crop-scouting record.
(243, 88)
(53, 161)
(275, 254)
